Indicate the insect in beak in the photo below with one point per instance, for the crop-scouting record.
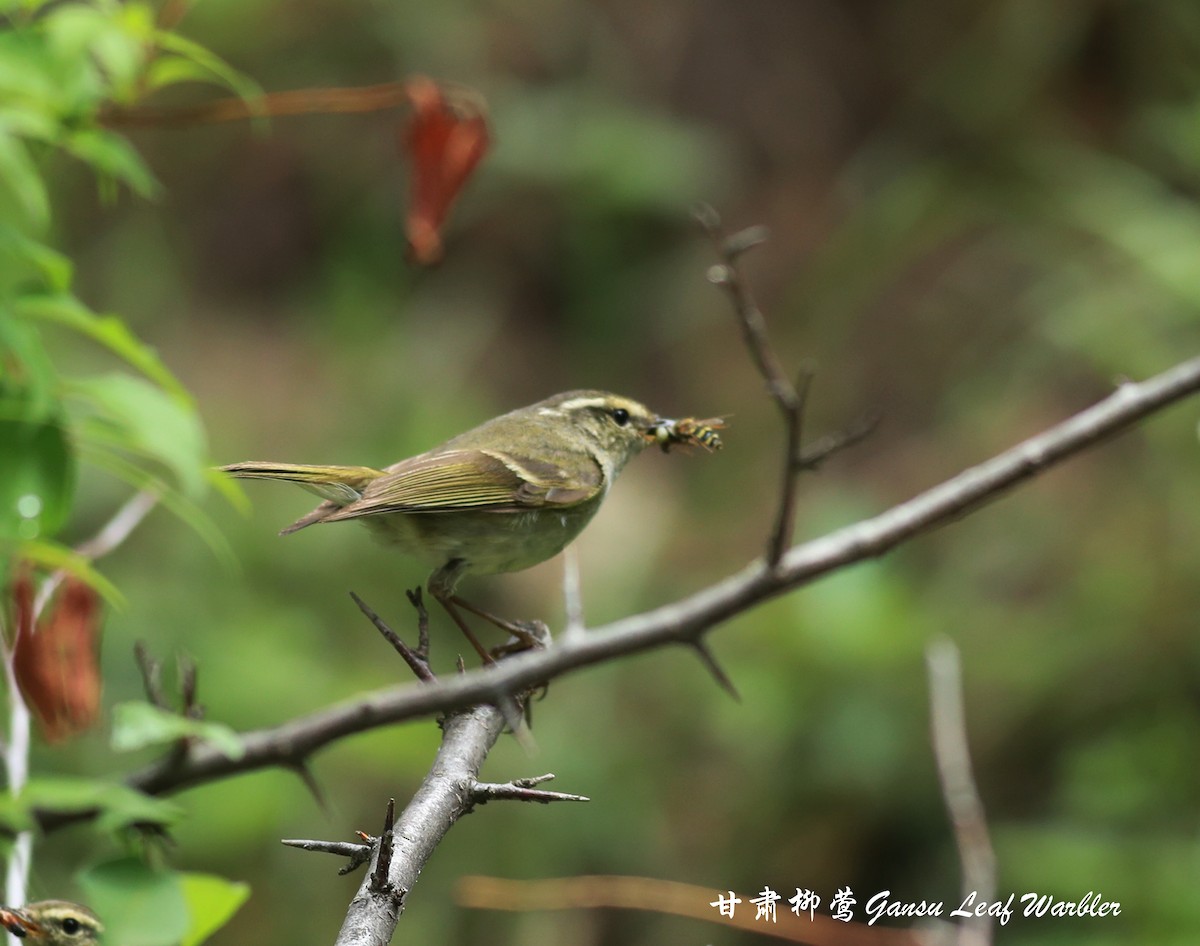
(687, 431)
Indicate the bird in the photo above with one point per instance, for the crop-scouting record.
(501, 497)
(52, 923)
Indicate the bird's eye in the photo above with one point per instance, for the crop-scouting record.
(620, 416)
(70, 925)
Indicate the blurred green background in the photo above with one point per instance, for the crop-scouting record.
(982, 216)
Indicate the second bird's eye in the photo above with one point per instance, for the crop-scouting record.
(70, 925)
(621, 416)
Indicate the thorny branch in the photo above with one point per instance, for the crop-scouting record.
(450, 790)
(685, 621)
(444, 797)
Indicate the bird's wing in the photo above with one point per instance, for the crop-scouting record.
(492, 480)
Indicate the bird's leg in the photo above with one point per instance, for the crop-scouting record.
(441, 586)
(529, 637)
(448, 601)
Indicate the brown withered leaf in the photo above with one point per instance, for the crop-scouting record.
(57, 665)
(445, 139)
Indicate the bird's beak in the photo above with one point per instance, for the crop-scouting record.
(17, 924)
(658, 430)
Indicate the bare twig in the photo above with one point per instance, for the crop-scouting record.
(356, 853)
(323, 101)
(383, 859)
(817, 452)
(111, 535)
(151, 670)
(685, 621)
(418, 602)
(790, 398)
(572, 595)
(120, 526)
(189, 685)
(418, 660)
(953, 757)
(520, 789)
(340, 848)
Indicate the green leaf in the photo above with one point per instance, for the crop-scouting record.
(104, 45)
(20, 175)
(117, 804)
(141, 905)
(211, 901)
(107, 330)
(37, 474)
(137, 725)
(110, 154)
(20, 255)
(25, 78)
(218, 70)
(26, 370)
(129, 413)
(28, 121)
(174, 70)
(121, 50)
(51, 556)
(231, 489)
(176, 503)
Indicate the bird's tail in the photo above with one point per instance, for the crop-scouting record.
(340, 485)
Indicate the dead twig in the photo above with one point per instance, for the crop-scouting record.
(952, 754)
(670, 897)
(323, 101)
(790, 398)
(417, 660)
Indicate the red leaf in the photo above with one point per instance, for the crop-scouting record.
(446, 137)
(57, 666)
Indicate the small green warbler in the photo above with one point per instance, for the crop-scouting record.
(502, 497)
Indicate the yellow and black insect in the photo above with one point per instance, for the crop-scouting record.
(690, 432)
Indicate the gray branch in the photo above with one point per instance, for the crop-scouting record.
(684, 622)
(446, 794)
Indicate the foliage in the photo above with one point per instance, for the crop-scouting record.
(61, 65)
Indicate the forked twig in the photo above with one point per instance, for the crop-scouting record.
(417, 660)
(790, 398)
